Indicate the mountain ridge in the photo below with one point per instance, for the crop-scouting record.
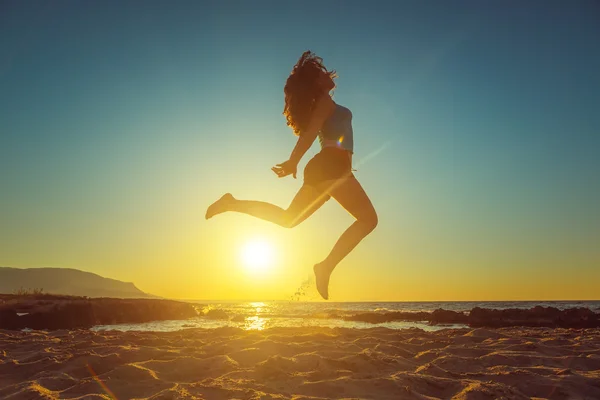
(67, 281)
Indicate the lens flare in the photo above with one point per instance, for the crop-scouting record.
(95, 376)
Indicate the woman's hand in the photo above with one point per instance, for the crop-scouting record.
(286, 168)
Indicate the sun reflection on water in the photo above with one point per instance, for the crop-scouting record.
(256, 322)
(258, 306)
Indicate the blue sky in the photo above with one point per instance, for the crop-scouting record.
(477, 130)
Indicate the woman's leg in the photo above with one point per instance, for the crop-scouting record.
(350, 194)
(305, 203)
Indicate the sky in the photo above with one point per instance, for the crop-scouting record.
(477, 138)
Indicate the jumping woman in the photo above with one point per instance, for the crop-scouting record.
(311, 112)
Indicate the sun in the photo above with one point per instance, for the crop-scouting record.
(257, 255)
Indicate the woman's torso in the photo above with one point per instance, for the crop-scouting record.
(337, 130)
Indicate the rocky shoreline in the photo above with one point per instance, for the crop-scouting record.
(549, 317)
(52, 312)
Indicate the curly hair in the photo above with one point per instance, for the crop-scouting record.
(302, 89)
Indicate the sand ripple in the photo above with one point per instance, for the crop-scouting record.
(302, 363)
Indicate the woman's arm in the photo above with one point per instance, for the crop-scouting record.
(322, 110)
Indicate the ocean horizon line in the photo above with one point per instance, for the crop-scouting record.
(385, 301)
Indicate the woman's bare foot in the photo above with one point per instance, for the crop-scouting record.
(322, 274)
(219, 206)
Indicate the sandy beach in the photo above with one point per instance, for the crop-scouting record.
(302, 363)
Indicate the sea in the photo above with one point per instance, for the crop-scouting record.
(259, 315)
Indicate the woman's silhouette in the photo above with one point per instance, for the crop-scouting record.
(311, 112)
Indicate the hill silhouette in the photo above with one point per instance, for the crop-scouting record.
(66, 281)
